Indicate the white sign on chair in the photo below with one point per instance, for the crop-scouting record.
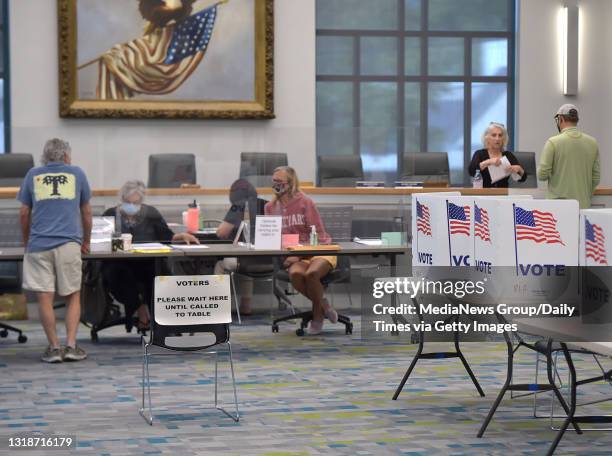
(192, 300)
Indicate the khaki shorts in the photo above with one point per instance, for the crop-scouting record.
(332, 260)
(41, 270)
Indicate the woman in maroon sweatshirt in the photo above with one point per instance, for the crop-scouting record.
(299, 215)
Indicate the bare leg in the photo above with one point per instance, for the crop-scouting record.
(73, 316)
(297, 272)
(318, 269)
(47, 316)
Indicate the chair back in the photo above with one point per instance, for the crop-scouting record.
(339, 170)
(528, 161)
(258, 167)
(13, 168)
(171, 170)
(10, 229)
(10, 236)
(426, 166)
(338, 222)
(171, 324)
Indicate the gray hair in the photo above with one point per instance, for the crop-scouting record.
(492, 125)
(131, 187)
(55, 150)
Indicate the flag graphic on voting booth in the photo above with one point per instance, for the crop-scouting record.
(429, 228)
(595, 232)
(532, 244)
(596, 277)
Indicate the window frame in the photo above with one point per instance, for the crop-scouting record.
(423, 79)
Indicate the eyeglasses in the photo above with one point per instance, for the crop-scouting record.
(497, 124)
(276, 181)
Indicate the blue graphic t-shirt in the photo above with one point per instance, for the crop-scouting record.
(55, 193)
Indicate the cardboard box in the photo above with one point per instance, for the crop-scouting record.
(13, 307)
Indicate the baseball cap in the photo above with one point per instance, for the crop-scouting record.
(567, 110)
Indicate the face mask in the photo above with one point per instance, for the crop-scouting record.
(558, 124)
(279, 188)
(130, 208)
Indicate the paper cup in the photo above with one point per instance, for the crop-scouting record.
(127, 241)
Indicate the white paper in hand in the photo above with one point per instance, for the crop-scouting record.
(500, 171)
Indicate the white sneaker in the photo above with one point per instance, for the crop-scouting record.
(329, 311)
(315, 328)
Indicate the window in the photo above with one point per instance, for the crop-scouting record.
(5, 110)
(410, 76)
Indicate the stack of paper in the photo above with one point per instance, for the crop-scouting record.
(498, 172)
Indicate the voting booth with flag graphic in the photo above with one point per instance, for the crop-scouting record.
(596, 273)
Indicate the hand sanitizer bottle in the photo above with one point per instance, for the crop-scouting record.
(314, 237)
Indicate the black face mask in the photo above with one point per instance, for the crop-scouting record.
(279, 188)
(557, 123)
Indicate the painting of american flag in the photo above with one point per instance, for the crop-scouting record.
(166, 58)
(459, 219)
(156, 63)
(422, 220)
(595, 242)
(537, 226)
(481, 224)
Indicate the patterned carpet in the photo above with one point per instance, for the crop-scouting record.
(309, 396)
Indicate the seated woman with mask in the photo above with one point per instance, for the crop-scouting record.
(125, 279)
(299, 214)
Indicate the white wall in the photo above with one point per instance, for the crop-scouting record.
(539, 89)
(111, 151)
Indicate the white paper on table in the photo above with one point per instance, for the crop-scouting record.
(369, 242)
(149, 246)
(188, 246)
(498, 172)
(515, 177)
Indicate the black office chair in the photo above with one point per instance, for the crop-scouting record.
(426, 166)
(13, 168)
(10, 274)
(185, 338)
(171, 170)
(528, 161)
(257, 167)
(339, 170)
(338, 224)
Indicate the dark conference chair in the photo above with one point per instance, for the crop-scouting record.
(10, 273)
(528, 161)
(426, 166)
(257, 167)
(171, 170)
(13, 168)
(339, 170)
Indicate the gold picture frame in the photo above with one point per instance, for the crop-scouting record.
(251, 98)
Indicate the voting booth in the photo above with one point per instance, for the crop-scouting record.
(443, 227)
(526, 247)
(596, 273)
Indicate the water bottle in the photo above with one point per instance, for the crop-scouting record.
(477, 180)
(193, 223)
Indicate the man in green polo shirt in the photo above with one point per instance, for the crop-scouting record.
(570, 160)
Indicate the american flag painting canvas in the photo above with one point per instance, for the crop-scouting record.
(459, 219)
(422, 221)
(481, 224)
(595, 242)
(537, 226)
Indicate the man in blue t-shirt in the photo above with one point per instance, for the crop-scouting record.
(56, 224)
